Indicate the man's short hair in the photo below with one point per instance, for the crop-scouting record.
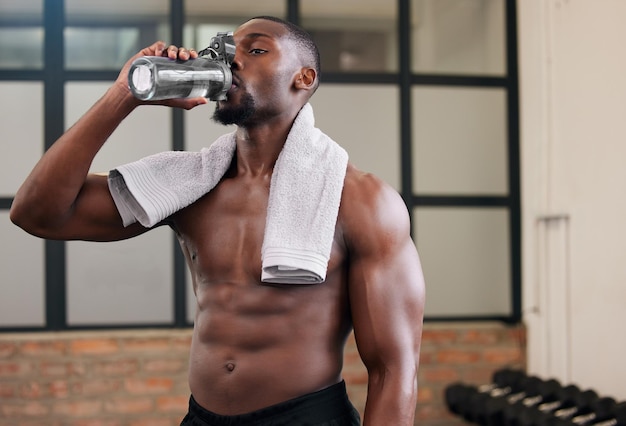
(307, 48)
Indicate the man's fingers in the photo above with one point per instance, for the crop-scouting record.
(182, 53)
(159, 48)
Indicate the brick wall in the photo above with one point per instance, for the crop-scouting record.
(466, 352)
(139, 377)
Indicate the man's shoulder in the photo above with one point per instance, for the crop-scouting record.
(364, 187)
(369, 203)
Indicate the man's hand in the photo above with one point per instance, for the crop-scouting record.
(161, 49)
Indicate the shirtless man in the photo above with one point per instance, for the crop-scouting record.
(260, 354)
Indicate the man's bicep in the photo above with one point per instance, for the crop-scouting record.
(386, 285)
(387, 302)
(95, 216)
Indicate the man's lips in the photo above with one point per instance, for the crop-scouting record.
(236, 82)
(234, 85)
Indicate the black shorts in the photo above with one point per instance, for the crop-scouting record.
(328, 407)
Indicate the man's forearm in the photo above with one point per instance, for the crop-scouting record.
(391, 400)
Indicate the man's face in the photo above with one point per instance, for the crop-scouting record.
(263, 73)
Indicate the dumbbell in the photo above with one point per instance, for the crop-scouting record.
(546, 391)
(566, 397)
(581, 404)
(503, 384)
(478, 400)
(455, 396)
(601, 410)
(618, 416)
(493, 412)
(598, 410)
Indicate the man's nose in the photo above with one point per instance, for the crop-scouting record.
(235, 64)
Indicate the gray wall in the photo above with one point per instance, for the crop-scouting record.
(573, 132)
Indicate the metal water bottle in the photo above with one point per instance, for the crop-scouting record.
(152, 78)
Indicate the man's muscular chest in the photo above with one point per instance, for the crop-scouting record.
(222, 233)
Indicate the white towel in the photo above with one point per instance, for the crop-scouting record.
(305, 192)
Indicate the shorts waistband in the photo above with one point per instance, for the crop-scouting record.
(317, 407)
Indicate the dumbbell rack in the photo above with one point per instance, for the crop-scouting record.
(514, 398)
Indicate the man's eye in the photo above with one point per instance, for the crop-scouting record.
(257, 51)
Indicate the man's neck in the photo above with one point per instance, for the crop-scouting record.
(258, 147)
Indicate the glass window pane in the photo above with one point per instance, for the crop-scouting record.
(21, 118)
(22, 297)
(21, 10)
(364, 120)
(146, 131)
(30, 52)
(353, 36)
(21, 25)
(459, 141)
(205, 19)
(100, 48)
(234, 11)
(125, 282)
(466, 259)
(458, 36)
(104, 35)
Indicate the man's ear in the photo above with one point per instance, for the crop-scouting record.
(306, 79)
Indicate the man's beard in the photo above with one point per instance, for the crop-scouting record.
(236, 114)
